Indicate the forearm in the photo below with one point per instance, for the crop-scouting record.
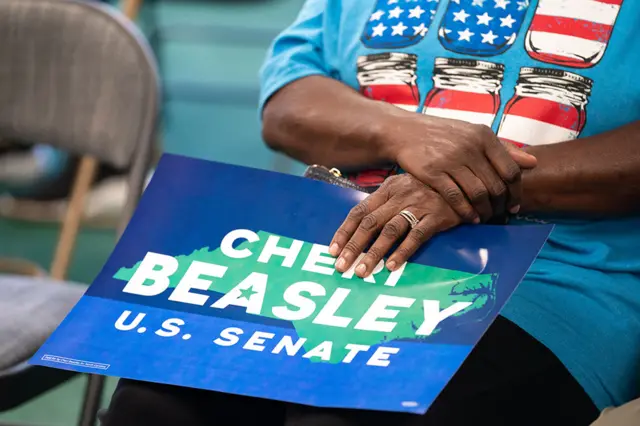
(318, 120)
(598, 175)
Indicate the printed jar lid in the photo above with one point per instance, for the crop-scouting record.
(527, 72)
(468, 63)
(387, 57)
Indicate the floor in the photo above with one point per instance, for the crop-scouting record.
(209, 52)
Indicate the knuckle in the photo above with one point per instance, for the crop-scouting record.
(479, 195)
(359, 211)
(352, 246)
(404, 193)
(453, 195)
(403, 253)
(468, 214)
(418, 235)
(471, 145)
(499, 189)
(458, 170)
(391, 230)
(512, 173)
(369, 222)
(392, 179)
(341, 233)
(390, 184)
(428, 175)
(373, 254)
(484, 132)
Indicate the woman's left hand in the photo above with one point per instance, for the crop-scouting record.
(379, 216)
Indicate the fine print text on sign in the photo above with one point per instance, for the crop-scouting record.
(223, 281)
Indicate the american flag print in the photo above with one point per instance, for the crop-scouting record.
(398, 23)
(390, 77)
(548, 106)
(482, 27)
(571, 33)
(387, 77)
(465, 89)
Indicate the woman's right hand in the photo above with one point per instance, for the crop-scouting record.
(478, 175)
(318, 120)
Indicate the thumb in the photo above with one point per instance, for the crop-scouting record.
(521, 157)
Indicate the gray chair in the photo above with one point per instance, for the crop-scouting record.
(75, 75)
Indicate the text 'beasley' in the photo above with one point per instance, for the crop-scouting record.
(152, 278)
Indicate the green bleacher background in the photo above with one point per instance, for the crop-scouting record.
(209, 53)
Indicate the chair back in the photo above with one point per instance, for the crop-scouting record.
(77, 75)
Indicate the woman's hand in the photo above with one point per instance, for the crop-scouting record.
(379, 216)
(473, 171)
(319, 120)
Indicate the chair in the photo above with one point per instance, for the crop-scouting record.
(624, 415)
(75, 75)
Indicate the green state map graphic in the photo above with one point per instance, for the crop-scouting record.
(417, 281)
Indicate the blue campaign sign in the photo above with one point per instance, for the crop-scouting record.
(223, 281)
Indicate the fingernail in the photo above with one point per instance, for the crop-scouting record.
(515, 209)
(391, 265)
(340, 264)
(361, 269)
(476, 220)
(334, 250)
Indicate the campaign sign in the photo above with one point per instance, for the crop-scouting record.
(223, 281)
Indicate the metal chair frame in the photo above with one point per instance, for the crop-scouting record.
(24, 382)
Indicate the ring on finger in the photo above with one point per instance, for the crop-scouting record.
(409, 217)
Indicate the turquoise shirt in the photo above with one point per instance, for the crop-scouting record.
(538, 73)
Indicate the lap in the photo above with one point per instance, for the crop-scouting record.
(141, 403)
(508, 379)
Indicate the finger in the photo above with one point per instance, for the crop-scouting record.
(522, 158)
(396, 228)
(454, 196)
(496, 187)
(508, 171)
(475, 190)
(366, 231)
(353, 219)
(424, 231)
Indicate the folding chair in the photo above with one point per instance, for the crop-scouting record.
(78, 76)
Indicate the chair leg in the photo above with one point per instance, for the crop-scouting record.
(92, 400)
(73, 217)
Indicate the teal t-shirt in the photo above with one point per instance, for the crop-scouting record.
(537, 72)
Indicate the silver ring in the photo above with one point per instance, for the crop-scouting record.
(410, 217)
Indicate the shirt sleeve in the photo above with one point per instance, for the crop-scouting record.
(296, 53)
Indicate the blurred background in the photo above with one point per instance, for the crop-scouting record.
(209, 53)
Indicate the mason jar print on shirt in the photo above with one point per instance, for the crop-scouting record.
(390, 77)
(398, 23)
(548, 106)
(482, 27)
(572, 33)
(465, 89)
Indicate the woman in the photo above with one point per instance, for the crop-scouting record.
(445, 91)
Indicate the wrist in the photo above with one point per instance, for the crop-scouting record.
(384, 125)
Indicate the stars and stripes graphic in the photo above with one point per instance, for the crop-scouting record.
(390, 77)
(572, 33)
(465, 89)
(398, 23)
(549, 106)
(482, 27)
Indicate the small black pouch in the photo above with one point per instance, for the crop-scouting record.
(334, 177)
